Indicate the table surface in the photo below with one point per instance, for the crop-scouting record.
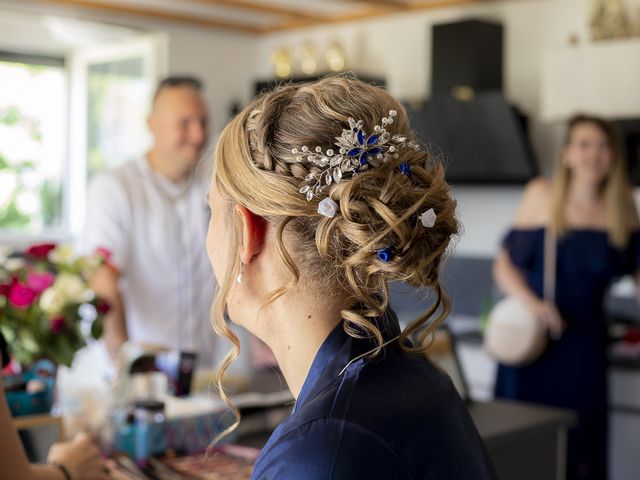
(501, 418)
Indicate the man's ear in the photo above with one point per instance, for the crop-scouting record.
(254, 229)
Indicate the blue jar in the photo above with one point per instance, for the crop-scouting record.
(125, 435)
(150, 430)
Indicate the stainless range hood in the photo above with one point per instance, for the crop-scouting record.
(467, 119)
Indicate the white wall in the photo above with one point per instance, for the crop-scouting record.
(486, 214)
(224, 61)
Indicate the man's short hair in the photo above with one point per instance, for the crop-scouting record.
(182, 81)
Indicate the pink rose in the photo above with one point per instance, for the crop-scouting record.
(40, 251)
(12, 368)
(105, 253)
(21, 296)
(39, 282)
(57, 324)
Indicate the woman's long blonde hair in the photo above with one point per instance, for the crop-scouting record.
(255, 167)
(614, 189)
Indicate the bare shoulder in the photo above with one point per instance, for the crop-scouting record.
(538, 187)
(533, 210)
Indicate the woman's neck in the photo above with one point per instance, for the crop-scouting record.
(294, 330)
(584, 192)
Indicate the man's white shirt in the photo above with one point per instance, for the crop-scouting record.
(156, 230)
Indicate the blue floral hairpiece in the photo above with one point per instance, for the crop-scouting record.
(357, 152)
(405, 168)
(385, 254)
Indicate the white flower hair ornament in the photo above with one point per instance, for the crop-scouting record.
(428, 218)
(357, 153)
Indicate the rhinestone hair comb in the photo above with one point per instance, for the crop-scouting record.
(357, 152)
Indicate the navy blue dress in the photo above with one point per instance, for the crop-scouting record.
(394, 417)
(571, 373)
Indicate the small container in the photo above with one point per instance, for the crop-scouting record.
(125, 435)
(150, 430)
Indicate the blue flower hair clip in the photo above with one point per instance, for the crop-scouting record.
(405, 168)
(385, 254)
(357, 152)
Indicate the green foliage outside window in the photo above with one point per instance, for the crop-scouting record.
(30, 194)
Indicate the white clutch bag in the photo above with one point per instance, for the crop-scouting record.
(514, 336)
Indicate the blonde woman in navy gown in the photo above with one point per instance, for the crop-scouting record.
(589, 205)
(318, 200)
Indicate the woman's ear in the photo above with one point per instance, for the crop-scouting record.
(254, 229)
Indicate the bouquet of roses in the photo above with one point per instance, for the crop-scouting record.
(47, 309)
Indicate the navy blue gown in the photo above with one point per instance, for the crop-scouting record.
(571, 373)
(393, 417)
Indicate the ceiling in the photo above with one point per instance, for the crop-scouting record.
(259, 16)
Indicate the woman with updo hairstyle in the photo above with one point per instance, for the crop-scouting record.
(320, 198)
(588, 207)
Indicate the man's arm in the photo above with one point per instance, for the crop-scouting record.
(104, 283)
(108, 226)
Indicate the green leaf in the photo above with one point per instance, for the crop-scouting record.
(27, 341)
(10, 116)
(8, 333)
(65, 351)
(97, 328)
(26, 165)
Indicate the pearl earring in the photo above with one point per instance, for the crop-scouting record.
(240, 277)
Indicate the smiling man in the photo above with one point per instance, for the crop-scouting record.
(151, 214)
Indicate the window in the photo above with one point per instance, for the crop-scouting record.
(33, 129)
(116, 123)
(62, 121)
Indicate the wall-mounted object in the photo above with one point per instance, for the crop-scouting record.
(601, 78)
(282, 63)
(335, 57)
(466, 54)
(611, 19)
(482, 137)
(308, 60)
(481, 141)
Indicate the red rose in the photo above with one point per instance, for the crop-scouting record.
(103, 307)
(57, 324)
(39, 282)
(40, 251)
(4, 290)
(105, 253)
(21, 296)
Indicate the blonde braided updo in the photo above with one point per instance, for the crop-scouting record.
(379, 208)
